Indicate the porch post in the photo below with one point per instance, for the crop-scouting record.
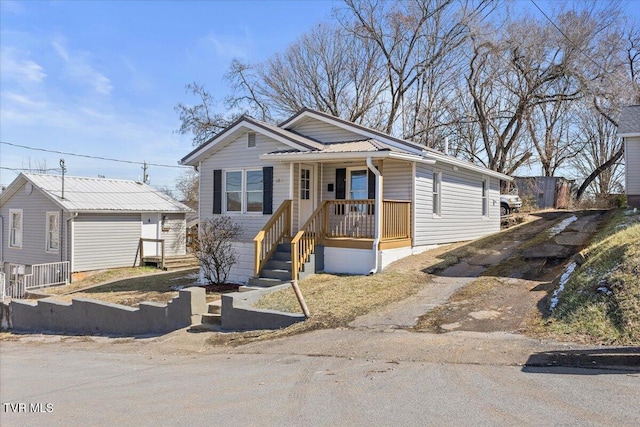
(378, 214)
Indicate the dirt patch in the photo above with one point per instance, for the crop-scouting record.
(515, 275)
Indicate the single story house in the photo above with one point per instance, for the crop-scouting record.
(89, 223)
(317, 192)
(629, 131)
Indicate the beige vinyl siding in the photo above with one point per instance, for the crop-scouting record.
(236, 156)
(461, 206)
(105, 241)
(175, 235)
(34, 208)
(325, 132)
(632, 161)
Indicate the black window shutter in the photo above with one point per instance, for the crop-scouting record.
(371, 183)
(341, 183)
(267, 190)
(217, 191)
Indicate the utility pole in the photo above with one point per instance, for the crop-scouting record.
(145, 177)
(64, 169)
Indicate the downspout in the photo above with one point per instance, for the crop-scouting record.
(378, 215)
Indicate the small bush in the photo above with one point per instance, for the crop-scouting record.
(214, 250)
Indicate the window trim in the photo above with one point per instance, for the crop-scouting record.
(243, 191)
(436, 194)
(17, 243)
(48, 247)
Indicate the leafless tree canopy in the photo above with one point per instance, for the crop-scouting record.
(510, 89)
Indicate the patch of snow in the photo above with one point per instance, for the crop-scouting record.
(192, 276)
(604, 290)
(563, 280)
(176, 287)
(561, 225)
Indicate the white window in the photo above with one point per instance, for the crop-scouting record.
(437, 193)
(305, 184)
(485, 197)
(53, 231)
(358, 184)
(15, 228)
(243, 191)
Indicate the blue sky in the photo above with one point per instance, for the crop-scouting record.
(102, 78)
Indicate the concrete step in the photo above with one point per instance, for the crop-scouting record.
(204, 327)
(211, 319)
(214, 307)
(276, 274)
(264, 282)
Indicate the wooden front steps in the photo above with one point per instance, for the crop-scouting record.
(278, 269)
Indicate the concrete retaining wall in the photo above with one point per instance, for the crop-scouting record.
(238, 313)
(86, 316)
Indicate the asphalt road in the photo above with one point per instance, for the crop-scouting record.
(266, 385)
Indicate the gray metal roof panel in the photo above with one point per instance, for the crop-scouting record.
(102, 194)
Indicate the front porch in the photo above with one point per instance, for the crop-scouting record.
(347, 224)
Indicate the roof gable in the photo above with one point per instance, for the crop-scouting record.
(245, 124)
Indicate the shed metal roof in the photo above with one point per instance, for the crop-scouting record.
(103, 194)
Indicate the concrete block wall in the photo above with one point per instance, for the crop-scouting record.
(86, 316)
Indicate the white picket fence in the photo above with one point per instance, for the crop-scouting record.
(51, 274)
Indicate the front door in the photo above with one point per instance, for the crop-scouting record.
(306, 193)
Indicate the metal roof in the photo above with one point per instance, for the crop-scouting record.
(629, 122)
(103, 194)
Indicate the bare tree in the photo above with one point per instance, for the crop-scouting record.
(187, 184)
(202, 120)
(326, 69)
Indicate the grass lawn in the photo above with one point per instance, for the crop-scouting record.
(601, 299)
(129, 286)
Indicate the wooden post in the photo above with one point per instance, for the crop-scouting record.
(141, 252)
(294, 260)
(303, 305)
(162, 250)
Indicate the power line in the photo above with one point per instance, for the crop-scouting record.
(92, 157)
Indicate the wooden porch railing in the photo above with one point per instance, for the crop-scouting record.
(396, 219)
(350, 218)
(304, 242)
(271, 235)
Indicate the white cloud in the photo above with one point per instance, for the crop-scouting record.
(229, 46)
(17, 66)
(80, 69)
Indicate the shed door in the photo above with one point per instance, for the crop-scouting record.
(151, 230)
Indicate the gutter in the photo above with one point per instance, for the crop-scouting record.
(378, 215)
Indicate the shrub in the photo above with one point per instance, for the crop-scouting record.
(214, 250)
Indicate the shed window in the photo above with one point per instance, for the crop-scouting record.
(53, 231)
(437, 193)
(15, 228)
(485, 197)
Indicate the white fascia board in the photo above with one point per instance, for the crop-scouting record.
(319, 156)
(361, 130)
(629, 135)
(470, 166)
(230, 134)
